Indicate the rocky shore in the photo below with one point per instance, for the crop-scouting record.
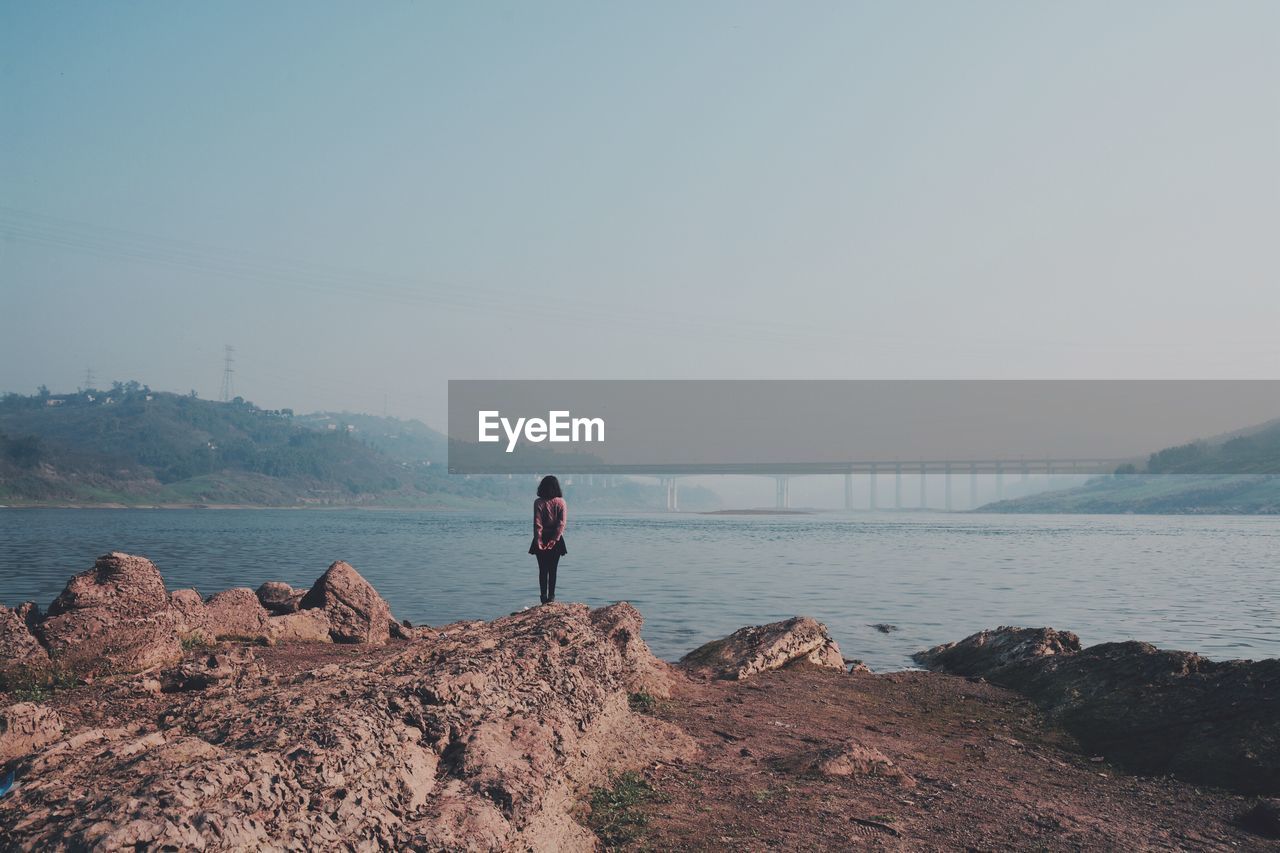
(278, 718)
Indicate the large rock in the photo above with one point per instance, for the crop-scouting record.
(238, 614)
(764, 647)
(621, 623)
(126, 585)
(235, 614)
(357, 614)
(280, 598)
(113, 618)
(26, 727)
(189, 614)
(983, 653)
(483, 737)
(1155, 711)
(305, 626)
(22, 658)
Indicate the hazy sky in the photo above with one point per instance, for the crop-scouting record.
(369, 199)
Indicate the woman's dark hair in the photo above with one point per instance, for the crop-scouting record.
(549, 488)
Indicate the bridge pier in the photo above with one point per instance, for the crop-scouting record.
(673, 494)
(924, 488)
(973, 485)
(871, 488)
(784, 493)
(897, 486)
(999, 481)
(848, 490)
(947, 472)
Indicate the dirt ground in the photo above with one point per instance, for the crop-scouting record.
(988, 775)
(984, 770)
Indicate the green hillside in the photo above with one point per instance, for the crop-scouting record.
(1237, 473)
(132, 445)
(402, 440)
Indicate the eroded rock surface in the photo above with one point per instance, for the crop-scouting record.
(229, 666)
(235, 614)
(113, 618)
(764, 647)
(620, 623)
(849, 759)
(118, 618)
(307, 626)
(357, 614)
(1153, 710)
(25, 727)
(20, 652)
(983, 653)
(280, 598)
(480, 736)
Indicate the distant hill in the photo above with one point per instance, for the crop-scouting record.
(1237, 473)
(402, 440)
(131, 446)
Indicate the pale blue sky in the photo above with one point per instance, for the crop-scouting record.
(370, 199)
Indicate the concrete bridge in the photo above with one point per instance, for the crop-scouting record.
(782, 472)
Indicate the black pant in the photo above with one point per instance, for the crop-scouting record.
(547, 562)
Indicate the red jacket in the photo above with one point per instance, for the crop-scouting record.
(549, 517)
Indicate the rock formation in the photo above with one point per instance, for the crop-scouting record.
(983, 653)
(357, 614)
(1154, 711)
(118, 618)
(764, 647)
(235, 614)
(309, 626)
(26, 727)
(20, 652)
(621, 624)
(113, 618)
(479, 736)
(280, 598)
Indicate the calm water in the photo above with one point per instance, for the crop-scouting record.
(1210, 584)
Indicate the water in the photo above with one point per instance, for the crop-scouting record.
(1207, 584)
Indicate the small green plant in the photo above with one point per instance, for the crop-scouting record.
(643, 702)
(617, 814)
(32, 693)
(38, 684)
(191, 642)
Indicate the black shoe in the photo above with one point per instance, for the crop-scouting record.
(543, 599)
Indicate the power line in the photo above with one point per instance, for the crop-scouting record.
(88, 378)
(228, 373)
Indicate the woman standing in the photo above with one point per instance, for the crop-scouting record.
(549, 515)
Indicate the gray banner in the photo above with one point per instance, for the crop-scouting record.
(821, 426)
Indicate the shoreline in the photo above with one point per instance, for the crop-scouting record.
(557, 728)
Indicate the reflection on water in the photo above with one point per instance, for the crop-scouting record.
(1208, 584)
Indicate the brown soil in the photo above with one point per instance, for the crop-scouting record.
(989, 774)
